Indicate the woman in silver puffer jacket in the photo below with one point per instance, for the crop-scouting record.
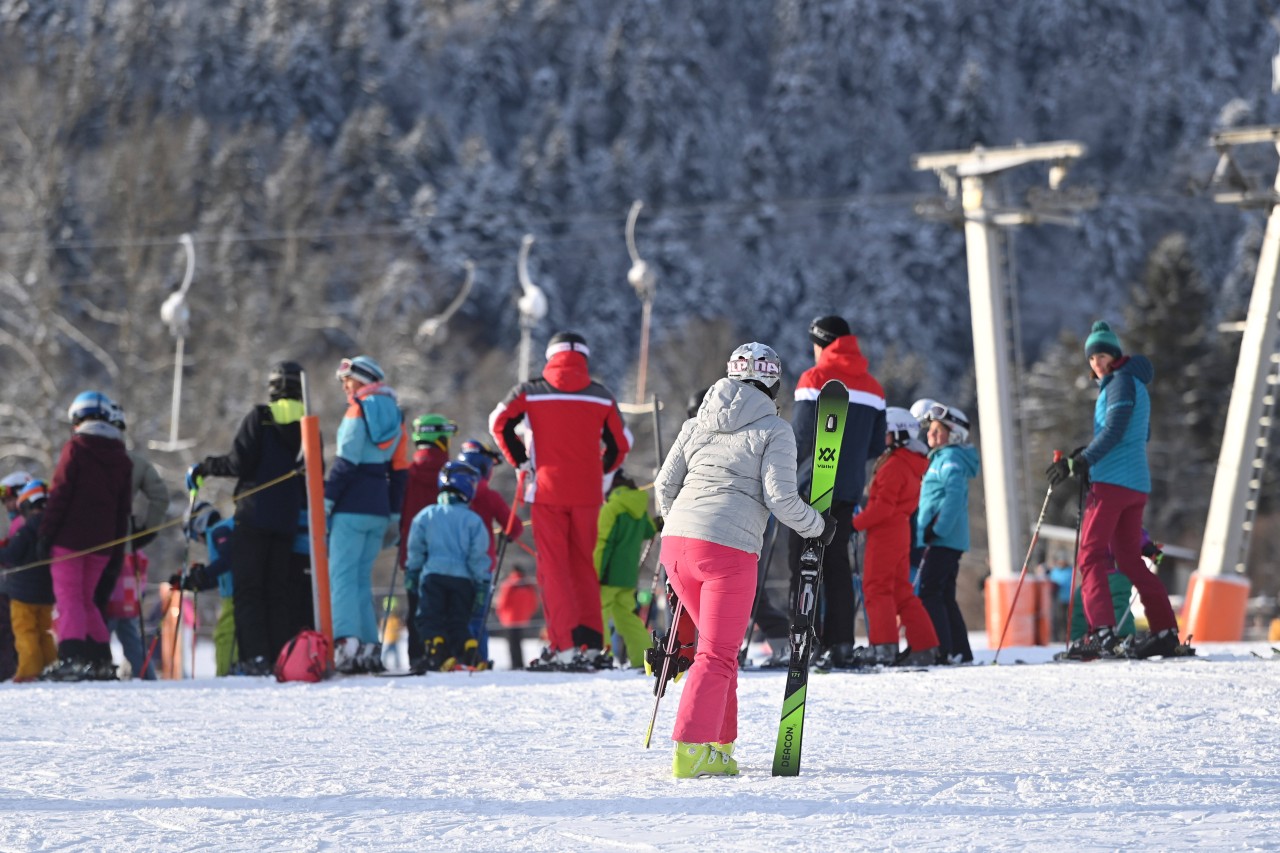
(733, 464)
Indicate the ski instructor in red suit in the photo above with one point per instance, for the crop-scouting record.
(575, 436)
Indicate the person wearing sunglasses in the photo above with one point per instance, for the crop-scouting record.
(363, 495)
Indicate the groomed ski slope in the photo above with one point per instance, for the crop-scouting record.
(1178, 755)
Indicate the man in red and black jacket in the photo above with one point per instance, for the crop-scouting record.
(575, 436)
(837, 356)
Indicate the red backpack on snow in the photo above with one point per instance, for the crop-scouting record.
(304, 658)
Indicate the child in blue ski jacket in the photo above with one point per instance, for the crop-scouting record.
(942, 526)
(448, 560)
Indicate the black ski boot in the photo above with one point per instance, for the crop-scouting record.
(839, 656)
(68, 669)
(1161, 644)
(924, 657)
(1096, 643)
(881, 654)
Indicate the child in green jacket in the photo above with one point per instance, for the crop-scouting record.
(624, 526)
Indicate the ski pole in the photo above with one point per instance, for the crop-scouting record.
(195, 618)
(502, 547)
(1035, 537)
(182, 576)
(386, 608)
(668, 653)
(1075, 563)
(772, 535)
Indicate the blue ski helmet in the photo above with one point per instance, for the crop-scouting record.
(459, 478)
(480, 456)
(90, 406)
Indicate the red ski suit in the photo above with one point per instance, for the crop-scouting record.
(577, 436)
(886, 578)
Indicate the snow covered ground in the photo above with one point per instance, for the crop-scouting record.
(1159, 756)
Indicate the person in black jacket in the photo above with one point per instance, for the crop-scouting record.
(30, 591)
(267, 446)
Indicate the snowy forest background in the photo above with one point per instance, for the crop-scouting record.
(337, 161)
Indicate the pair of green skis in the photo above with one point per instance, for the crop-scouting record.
(833, 409)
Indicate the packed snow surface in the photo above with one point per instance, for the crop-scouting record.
(1151, 755)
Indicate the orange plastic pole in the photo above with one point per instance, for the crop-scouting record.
(314, 459)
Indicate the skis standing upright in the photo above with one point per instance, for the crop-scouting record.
(833, 409)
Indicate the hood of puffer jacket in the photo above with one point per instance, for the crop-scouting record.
(634, 502)
(1137, 366)
(567, 371)
(843, 355)
(731, 405)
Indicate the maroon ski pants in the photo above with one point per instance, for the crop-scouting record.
(1112, 525)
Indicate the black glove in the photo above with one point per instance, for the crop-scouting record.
(930, 535)
(175, 581)
(140, 542)
(1073, 466)
(1153, 552)
(658, 521)
(1079, 466)
(828, 529)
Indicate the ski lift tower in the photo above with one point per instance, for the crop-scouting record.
(1218, 593)
(970, 176)
(532, 305)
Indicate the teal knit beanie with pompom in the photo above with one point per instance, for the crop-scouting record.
(1102, 339)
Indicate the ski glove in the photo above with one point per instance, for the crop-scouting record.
(391, 538)
(1153, 552)
(828, 528)
(930, 535)
(1074, 466)
(195, 477)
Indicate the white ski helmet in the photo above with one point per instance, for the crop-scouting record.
(758, 364)
(956, 422)
(900, 425)
(920, 408)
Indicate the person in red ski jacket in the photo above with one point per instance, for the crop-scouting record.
(886, 581)
(430, 434)
(837, 356)
(576, 432)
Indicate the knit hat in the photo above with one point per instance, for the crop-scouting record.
(824, 330)
(1102, 339)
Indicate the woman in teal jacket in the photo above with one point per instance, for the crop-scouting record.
(1114, 467)
(942, 527)
(362, 496)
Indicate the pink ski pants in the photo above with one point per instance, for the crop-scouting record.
(717, 585)
(73, 583)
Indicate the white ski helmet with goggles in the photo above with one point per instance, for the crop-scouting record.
(757, 364)
(956, 422)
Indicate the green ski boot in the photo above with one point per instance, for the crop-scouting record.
(701, 759)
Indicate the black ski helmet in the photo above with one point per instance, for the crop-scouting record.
(284, 382)
(567, 342)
